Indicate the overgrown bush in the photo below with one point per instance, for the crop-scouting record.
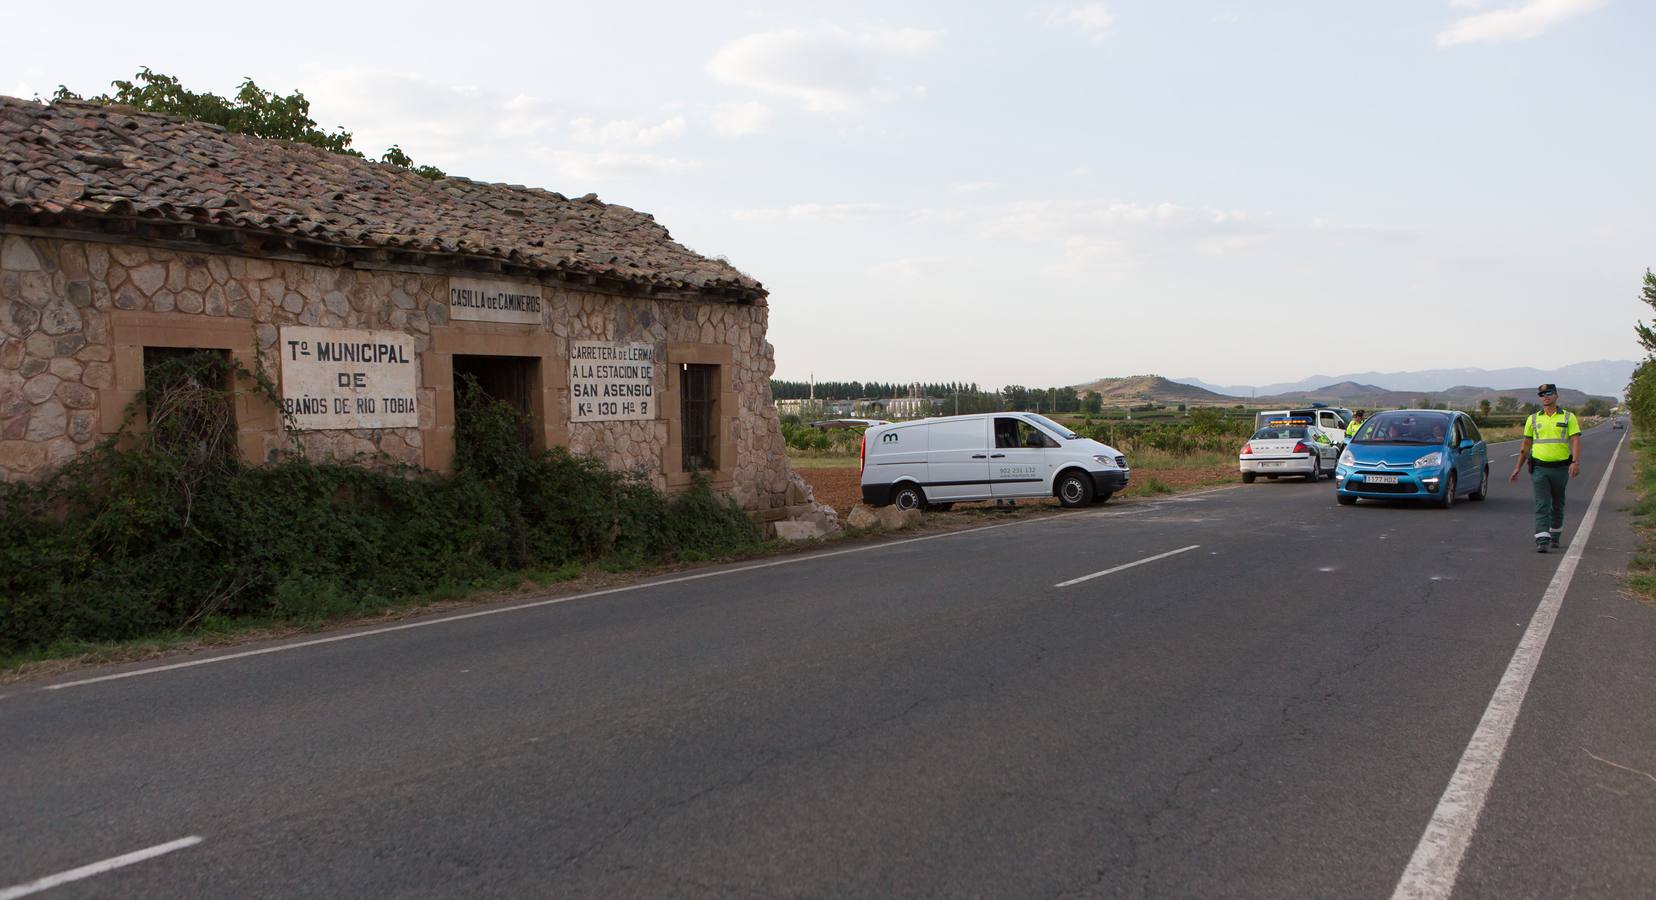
(1204, 431)
(166, 529)
(842, 441)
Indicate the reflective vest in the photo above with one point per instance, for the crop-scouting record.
(1352, 428)
(1551, 435)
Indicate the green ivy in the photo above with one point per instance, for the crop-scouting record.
(166, 530)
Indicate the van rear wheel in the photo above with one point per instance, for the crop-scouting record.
(1073, 489)
(908, 496)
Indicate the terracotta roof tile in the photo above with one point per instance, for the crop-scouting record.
(93, 160)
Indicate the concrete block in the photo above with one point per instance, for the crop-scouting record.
(799, 531)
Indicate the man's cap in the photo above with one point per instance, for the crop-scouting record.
(1548, 388)
(1361, 413)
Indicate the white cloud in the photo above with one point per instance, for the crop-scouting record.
(826, 68)
(973, 187)
(602, 164)
(741, 119)
(423, 116)
(836, 212)
(1529, 19)
(1092, 19)
(481, 133)
(911, 268)
(1082, 235)
(627, 132)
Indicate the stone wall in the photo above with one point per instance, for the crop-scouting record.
(75, 315)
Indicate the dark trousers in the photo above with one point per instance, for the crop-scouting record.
(1549, 483)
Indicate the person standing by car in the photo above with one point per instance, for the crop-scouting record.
(1356, 423)
(1552, 443)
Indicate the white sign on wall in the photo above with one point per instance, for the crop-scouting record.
(609, 382)
(476, 300)
(345, 378)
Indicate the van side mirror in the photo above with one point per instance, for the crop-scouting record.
(1468, 444)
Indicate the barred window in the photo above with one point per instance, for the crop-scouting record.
(698, 401)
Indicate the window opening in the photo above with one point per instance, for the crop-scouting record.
(698, 385)
(1015, 433)
(188, 405)
(504, 379)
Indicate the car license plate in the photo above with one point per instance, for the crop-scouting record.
(1380, 479)
(1270, 465)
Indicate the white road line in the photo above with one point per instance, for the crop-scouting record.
(1437, 858)
(1147, 559)
(97, 868)
(459, 617)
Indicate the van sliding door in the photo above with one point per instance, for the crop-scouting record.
(958, 460)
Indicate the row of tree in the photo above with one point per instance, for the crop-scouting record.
(966, 397)
(1641, 393)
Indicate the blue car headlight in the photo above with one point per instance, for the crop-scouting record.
(1429, 461)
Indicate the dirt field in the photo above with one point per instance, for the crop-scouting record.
(841, 487)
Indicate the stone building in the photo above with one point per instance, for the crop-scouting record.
(365, 292)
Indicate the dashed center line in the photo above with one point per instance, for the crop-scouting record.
(1111, 571)
(97, 868)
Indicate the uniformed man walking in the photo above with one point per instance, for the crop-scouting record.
(1552, 443)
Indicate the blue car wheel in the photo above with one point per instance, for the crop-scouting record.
(1483, 487)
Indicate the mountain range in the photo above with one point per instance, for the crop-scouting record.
(1135, 389)
(1606, 377)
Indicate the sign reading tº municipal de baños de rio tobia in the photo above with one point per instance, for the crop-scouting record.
(334, 378)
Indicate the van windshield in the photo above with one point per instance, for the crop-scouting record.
(1051, 426)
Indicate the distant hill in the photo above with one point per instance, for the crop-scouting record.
(1354, 395)
(1150, 389)
(1135, 389)
(1605, 377)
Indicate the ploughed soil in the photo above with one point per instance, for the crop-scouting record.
(841, 488)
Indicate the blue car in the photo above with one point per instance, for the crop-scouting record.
(1414, 454)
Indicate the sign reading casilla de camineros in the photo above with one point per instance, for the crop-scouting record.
(476, 300)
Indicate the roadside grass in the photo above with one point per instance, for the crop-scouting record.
(1167, 460)
(1495, 435)
(1641, 572)
(1148, 487)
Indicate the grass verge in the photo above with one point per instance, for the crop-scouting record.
(1641, 572)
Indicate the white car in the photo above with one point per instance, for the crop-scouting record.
(1288, 447)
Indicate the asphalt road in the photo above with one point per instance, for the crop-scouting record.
(1275, 712)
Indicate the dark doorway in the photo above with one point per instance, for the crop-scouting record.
(513, 380)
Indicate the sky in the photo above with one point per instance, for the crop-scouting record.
(1243, 191)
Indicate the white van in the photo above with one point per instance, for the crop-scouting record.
(1330, 420)
(934, 463)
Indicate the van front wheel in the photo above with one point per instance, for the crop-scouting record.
(1073, 489)
(909, 496)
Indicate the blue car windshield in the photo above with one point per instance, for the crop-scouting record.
(1403, 428)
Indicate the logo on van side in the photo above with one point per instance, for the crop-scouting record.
(889, 437)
